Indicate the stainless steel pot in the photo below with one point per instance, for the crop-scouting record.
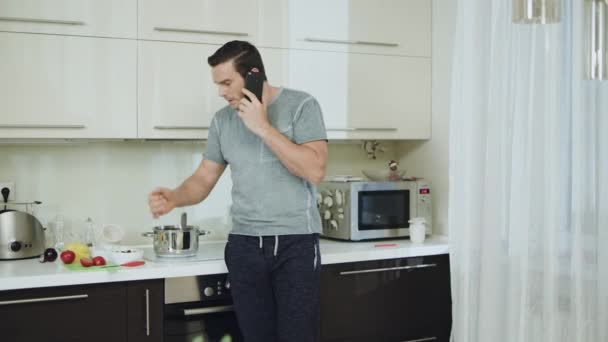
(176, 241)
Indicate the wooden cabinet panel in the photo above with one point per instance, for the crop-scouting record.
(388, 27)
(105, 18)
(125, 311)
(94, 313)
(201, 21)
(366, 96)
(145, 310)
(67, 87)
(386, 300)
(177, 97)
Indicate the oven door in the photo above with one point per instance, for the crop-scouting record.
(199, 309)
(197, 322)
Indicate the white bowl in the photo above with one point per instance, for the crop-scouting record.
(123, 255)
(382, 175)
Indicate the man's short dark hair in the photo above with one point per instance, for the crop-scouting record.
(243, 54)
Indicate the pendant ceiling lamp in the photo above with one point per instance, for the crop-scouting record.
(536, 11)
(596, 39)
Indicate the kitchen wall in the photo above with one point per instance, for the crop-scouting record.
(110, 181)
(430, 158)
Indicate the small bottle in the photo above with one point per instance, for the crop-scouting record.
(89, 232)
(59, 232)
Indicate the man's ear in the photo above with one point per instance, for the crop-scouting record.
(254, 69)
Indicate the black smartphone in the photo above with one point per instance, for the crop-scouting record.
(254, 82)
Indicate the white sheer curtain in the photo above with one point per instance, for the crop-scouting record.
(528, 217)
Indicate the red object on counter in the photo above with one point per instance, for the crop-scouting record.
(133, 263)
(386, 245)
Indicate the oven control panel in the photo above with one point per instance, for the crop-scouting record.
(214, 286)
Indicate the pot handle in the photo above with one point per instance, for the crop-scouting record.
(147, 234)
(203, 232)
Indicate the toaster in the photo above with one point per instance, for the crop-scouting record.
(21, 234)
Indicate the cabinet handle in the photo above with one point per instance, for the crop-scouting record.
(422, 339)
(147, 312)
(350, 42)
(361, 129)
(34, 126)
(181, 127)
(43, 126)
(179, 30)
(44, 299)
(42, 21)
(388, 269)
(206, 311)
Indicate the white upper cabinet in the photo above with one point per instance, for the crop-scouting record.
(366, 96)
(177, 96)
(67, 87)
(198, 21)
(388, 27)
(101, 18)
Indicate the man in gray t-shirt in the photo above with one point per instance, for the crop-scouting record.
(277, 150)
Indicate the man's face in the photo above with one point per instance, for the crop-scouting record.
(229, 83)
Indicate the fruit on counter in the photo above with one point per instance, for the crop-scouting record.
(86, 262)
(80, 249)
(50, 254)
(98, 261)
(67, 256)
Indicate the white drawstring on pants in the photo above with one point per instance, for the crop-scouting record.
(276, 244)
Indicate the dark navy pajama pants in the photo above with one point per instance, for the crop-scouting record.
(275, 284)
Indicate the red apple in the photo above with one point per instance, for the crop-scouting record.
(99, 261)
(67, 256)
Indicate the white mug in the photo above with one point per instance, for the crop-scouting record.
(417, 229)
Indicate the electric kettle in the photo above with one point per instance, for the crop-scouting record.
(21, 234)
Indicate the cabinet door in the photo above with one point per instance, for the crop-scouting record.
(67, 87)
(202, 21)
(106, 18)
(145, 300)
(390, 27)
(93, 313)
(367, 96)
(386, 300)
(177, 96)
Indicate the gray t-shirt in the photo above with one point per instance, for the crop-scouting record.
(266, 198)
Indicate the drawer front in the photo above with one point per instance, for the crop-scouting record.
(386, 300)
(73, 313)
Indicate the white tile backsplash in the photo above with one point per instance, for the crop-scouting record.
(110, 181)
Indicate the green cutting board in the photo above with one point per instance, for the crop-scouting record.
(77, 267)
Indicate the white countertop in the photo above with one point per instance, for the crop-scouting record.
(22, 274)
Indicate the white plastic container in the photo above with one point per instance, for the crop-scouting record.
(417, 229)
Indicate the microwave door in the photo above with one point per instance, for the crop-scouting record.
(382, 213)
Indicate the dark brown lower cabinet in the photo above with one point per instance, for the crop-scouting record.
(145, 300)
(117, 312)
(394, 300)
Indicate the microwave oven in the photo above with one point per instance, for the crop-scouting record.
(357, 211)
